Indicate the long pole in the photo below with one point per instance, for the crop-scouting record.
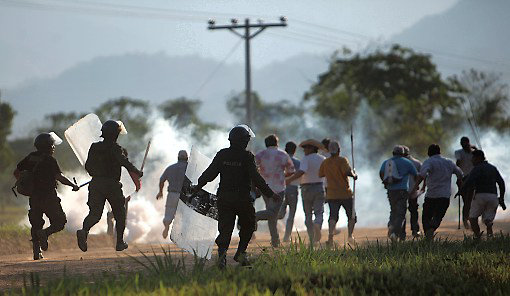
(248, 72)
(247, 36)
(354, 183)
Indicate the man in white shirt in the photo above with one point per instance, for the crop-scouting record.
(274, 165)
(464, 158)
(438, 172)
(312, 188)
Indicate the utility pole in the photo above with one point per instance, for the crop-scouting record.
(247, 36)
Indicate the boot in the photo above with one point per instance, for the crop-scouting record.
(242, 258)
(222, 258)
(81, 236)
(43, 239)
(121, 244)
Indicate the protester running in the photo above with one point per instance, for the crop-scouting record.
(274, 165)
(464, 162)
(483, 179)
(395, 173)
(291, 194)
(413, 198)
(336, 169)
(37, 175)
(312, 188)
(438, 172)
(174, 175)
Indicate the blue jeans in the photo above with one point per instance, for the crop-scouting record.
(271, 215)
(291, 198)
(313, 204)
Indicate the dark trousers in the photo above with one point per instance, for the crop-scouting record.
(334, 208)
(230, 206)
(467, 198)
(50, 206)
(398, 208)
(434, 210)
(101, 190)
(413, 210)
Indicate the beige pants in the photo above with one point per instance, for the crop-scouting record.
(172, 200)
(485, 205)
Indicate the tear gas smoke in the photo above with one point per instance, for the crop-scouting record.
(145, 214)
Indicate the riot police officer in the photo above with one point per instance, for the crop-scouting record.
(43, 198)
(237, 170)
(104, 162)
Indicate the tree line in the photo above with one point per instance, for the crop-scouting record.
(391, 96)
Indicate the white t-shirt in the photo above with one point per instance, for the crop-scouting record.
(310, 165)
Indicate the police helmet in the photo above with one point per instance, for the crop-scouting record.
(44, 141)
(241, 133)
(112, 128)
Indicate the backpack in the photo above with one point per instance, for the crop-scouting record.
(26, 182)
(391, 175)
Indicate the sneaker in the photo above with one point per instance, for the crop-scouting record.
(416, 234)
(121, 246)
(317, 232)
(242, 258)
(393, 237)
(351, 240)
(81, 236)
(43, 239)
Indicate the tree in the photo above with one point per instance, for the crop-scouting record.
(183, 112)
(6, 116)
(485, 99)
(281, 118)
(409, 101)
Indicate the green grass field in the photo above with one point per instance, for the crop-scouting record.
(410, 268)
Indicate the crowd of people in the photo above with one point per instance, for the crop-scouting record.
(277, 175)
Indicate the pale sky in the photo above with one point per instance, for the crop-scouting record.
(42, 38)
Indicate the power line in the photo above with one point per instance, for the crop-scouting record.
(218, 67)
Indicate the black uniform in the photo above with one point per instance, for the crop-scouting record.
(104, 162)
(45, 199)
(238, 172)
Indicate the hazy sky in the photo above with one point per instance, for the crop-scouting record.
(41, 38)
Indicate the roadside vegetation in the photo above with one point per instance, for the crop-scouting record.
(415, 267)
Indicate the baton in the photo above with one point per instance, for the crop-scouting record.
(145, 156)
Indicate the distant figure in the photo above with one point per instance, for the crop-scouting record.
(291, 194)
(274, 165)
(336, 169)
(464, 162)
(237, 170)
(174, 175)
(104, 163)
(483, 179)
(43, 197)
(413, 198)
(395, 173)
(438, 172)
(312, 188)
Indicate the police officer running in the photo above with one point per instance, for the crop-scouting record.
(237, 170)
(44, 199)
(104, 163)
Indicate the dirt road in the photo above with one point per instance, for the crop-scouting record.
(102, 257)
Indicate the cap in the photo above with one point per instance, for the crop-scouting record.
(334, 147)
(182, 154)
